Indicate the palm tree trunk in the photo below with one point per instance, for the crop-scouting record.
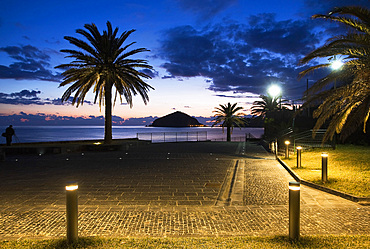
(228, 133)
(108, 115)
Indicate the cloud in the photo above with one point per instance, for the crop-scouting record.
(312, 7)
(24, 97)
(290, 37)
(206, 9)
(239, 57)
(30, 63)
(237, 96)
(52, 119)
(30, 97)
(151, 73)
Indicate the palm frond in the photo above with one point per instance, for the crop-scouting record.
(102, 63)
(344, 107)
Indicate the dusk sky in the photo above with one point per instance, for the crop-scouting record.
(204, 52)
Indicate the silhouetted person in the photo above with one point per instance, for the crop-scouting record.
(9, 133)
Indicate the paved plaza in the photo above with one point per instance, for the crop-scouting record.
(163, 190)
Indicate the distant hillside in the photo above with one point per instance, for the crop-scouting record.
(176, 119)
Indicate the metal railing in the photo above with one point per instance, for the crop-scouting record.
(305, 139)
(166, 137)
(196, 136)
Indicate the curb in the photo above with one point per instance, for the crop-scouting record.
(365, 201)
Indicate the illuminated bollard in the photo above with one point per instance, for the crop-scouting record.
(294, 210)
(72, 212)
(276, 148)
(299, 156)
(324, 167)
(287, 149)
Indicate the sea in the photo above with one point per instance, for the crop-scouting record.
(32, 134)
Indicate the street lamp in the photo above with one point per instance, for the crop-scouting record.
(336, 65)
(275, 91)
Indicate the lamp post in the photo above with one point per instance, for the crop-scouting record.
(275, 91)
(336, 65)
(287, 142)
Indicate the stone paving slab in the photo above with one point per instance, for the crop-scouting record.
(253, 221)
(164, 190)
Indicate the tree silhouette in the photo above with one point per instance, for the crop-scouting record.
(268, 105)
(347, 106)
(103, 64)
(228, 116)
(275, 114)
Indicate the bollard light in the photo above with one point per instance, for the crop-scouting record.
(276, 148)
(287, 148)
(294, 210)
(72, 212)
(299, 156)
(324, 167)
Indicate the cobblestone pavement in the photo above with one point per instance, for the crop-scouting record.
(165, 190)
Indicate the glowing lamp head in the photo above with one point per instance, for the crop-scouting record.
(294, 186)
(274, 91)
(299, 148)
(324, 154)
(72, 187)
(287, 142)
(97, 143)
(337, 64)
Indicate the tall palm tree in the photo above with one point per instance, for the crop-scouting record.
(103, 64)
(229, 116)
(268, 105)
(347, 106)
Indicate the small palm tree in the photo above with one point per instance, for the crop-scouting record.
(274, 112)
(346, 107)
(228, 115)
(268, 105)
(103, 64)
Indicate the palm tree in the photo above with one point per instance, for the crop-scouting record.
(268, 105)
(274, 112)
(347, 106)
(228, 115)
(104, 65)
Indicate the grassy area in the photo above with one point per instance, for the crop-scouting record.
(276, 242)
(348, 168)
